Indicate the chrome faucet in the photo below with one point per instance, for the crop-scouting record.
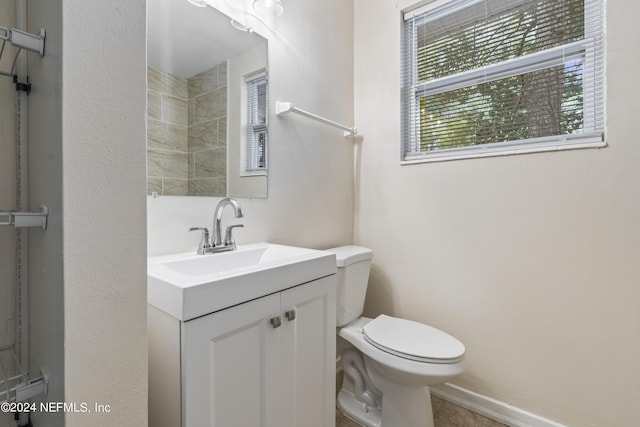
(216, 239)
(204, 246)
(217, 244)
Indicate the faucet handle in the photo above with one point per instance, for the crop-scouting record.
(204, 239)
(228, 235)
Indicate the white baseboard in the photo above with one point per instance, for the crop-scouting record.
(491, 408)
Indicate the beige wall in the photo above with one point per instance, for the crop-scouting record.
(103, 158)
(87, 154)
(8, 187)
(310, 165)
(46, 277)
(530, 260)
(7, 200)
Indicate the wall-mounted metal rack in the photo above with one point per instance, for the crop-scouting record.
(25, 219)
(21, 40)
(283, 108)
(14, 385)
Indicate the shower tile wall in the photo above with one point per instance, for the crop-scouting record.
(208, 132)
(186, 133)
(167, 125)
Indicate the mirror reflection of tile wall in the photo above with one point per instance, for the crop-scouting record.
(186, 133)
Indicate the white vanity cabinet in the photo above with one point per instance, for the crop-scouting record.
(266, 362)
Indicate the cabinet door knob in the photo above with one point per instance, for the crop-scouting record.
(276, 322)
(291, 314)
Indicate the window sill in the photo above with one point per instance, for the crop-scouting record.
(250, 174)
(538, 145)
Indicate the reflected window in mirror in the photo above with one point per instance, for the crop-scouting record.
(256, 139)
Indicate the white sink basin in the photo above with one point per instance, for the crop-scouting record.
(187, 285)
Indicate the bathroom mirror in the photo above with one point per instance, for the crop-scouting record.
(207, 87)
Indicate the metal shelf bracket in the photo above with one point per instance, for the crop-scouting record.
(25, 219)
(36, 387)
(15, 385)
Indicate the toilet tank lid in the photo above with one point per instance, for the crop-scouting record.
(347, 255)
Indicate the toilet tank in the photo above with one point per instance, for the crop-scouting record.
(354, 263)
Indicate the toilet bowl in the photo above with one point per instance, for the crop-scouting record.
(388, 363)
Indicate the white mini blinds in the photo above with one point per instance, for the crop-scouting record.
(494, 77)
(256, 143)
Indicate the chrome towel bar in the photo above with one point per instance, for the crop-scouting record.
(283, 108)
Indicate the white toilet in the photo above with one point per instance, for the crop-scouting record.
(388, 363)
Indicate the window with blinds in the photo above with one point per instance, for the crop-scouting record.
(494, 77)
(255, 149)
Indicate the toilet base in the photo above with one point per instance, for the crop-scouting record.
(401, 407)
(407, 407)
(358, 411)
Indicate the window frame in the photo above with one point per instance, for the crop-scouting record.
(253, 130)
(412, 92)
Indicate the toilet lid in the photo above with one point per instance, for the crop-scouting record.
(412, 340)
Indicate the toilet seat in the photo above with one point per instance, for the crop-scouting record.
(412, 340)
(410, 371)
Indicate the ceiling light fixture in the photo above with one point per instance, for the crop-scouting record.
(241, 27)
(199, 3)
(271, 8)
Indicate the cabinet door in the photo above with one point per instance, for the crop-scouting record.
(309, 353)
(231, 366)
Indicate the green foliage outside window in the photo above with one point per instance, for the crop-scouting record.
(534, 104)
